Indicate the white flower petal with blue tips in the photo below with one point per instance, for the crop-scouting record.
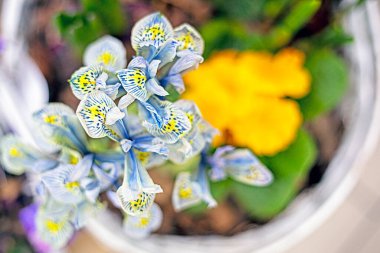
(186, 62)
(91, 188)
(92, 113)
(133, 81)
(167, 53)
(60, 185)
(241, 165)
(176, 81)
(189, 39)
(83, 212)
(135, 203)
(138, 190)
(139, 227)
(107, 174)
(138, 62)
(125, 101)
(150, 160)
(152, 30)
(111, 90)
(16, 156)
(186, 192)
(83, 167)
(153, 67)
(58, 124)
(202, 180)
(244, 167)
(54, 227)
(84, 80)
(114, 115)
(155, 88)
(166, 121)
(108, 51)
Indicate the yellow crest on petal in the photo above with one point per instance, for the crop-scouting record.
(53, 227)
(71, 186)
(107, 58)
(14, 152)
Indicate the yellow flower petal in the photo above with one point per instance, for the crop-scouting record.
(245, 94)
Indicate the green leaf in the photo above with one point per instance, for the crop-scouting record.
(332, 36)
(297, 17)
(241, 10)
(273, 8)
(64, 21)
(220, 190)
(329, 82)
(290, 168)
(222, 34)
(110, 12)
(86, 32)
(173, 94)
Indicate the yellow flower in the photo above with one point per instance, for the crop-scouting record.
(247, 97)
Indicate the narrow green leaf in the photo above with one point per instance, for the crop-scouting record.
(332, 36)
(273, 8)
(298, 16)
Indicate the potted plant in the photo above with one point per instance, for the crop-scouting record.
(276, 89)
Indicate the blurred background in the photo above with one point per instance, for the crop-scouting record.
(305, 75)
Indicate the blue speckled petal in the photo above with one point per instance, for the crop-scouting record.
(92, 113)
(135, 203)
(189, 39)
(138, 190)
(134, 81)
(173, 123)
(153, 30)
(139, 227)
(84, 80)
(191, 109)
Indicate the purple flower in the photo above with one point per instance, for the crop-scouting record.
(28, 220)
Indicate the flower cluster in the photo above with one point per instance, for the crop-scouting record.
(126, 103)
(254, 96)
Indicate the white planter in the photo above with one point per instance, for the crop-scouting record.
(23, 88)
(360, 111)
